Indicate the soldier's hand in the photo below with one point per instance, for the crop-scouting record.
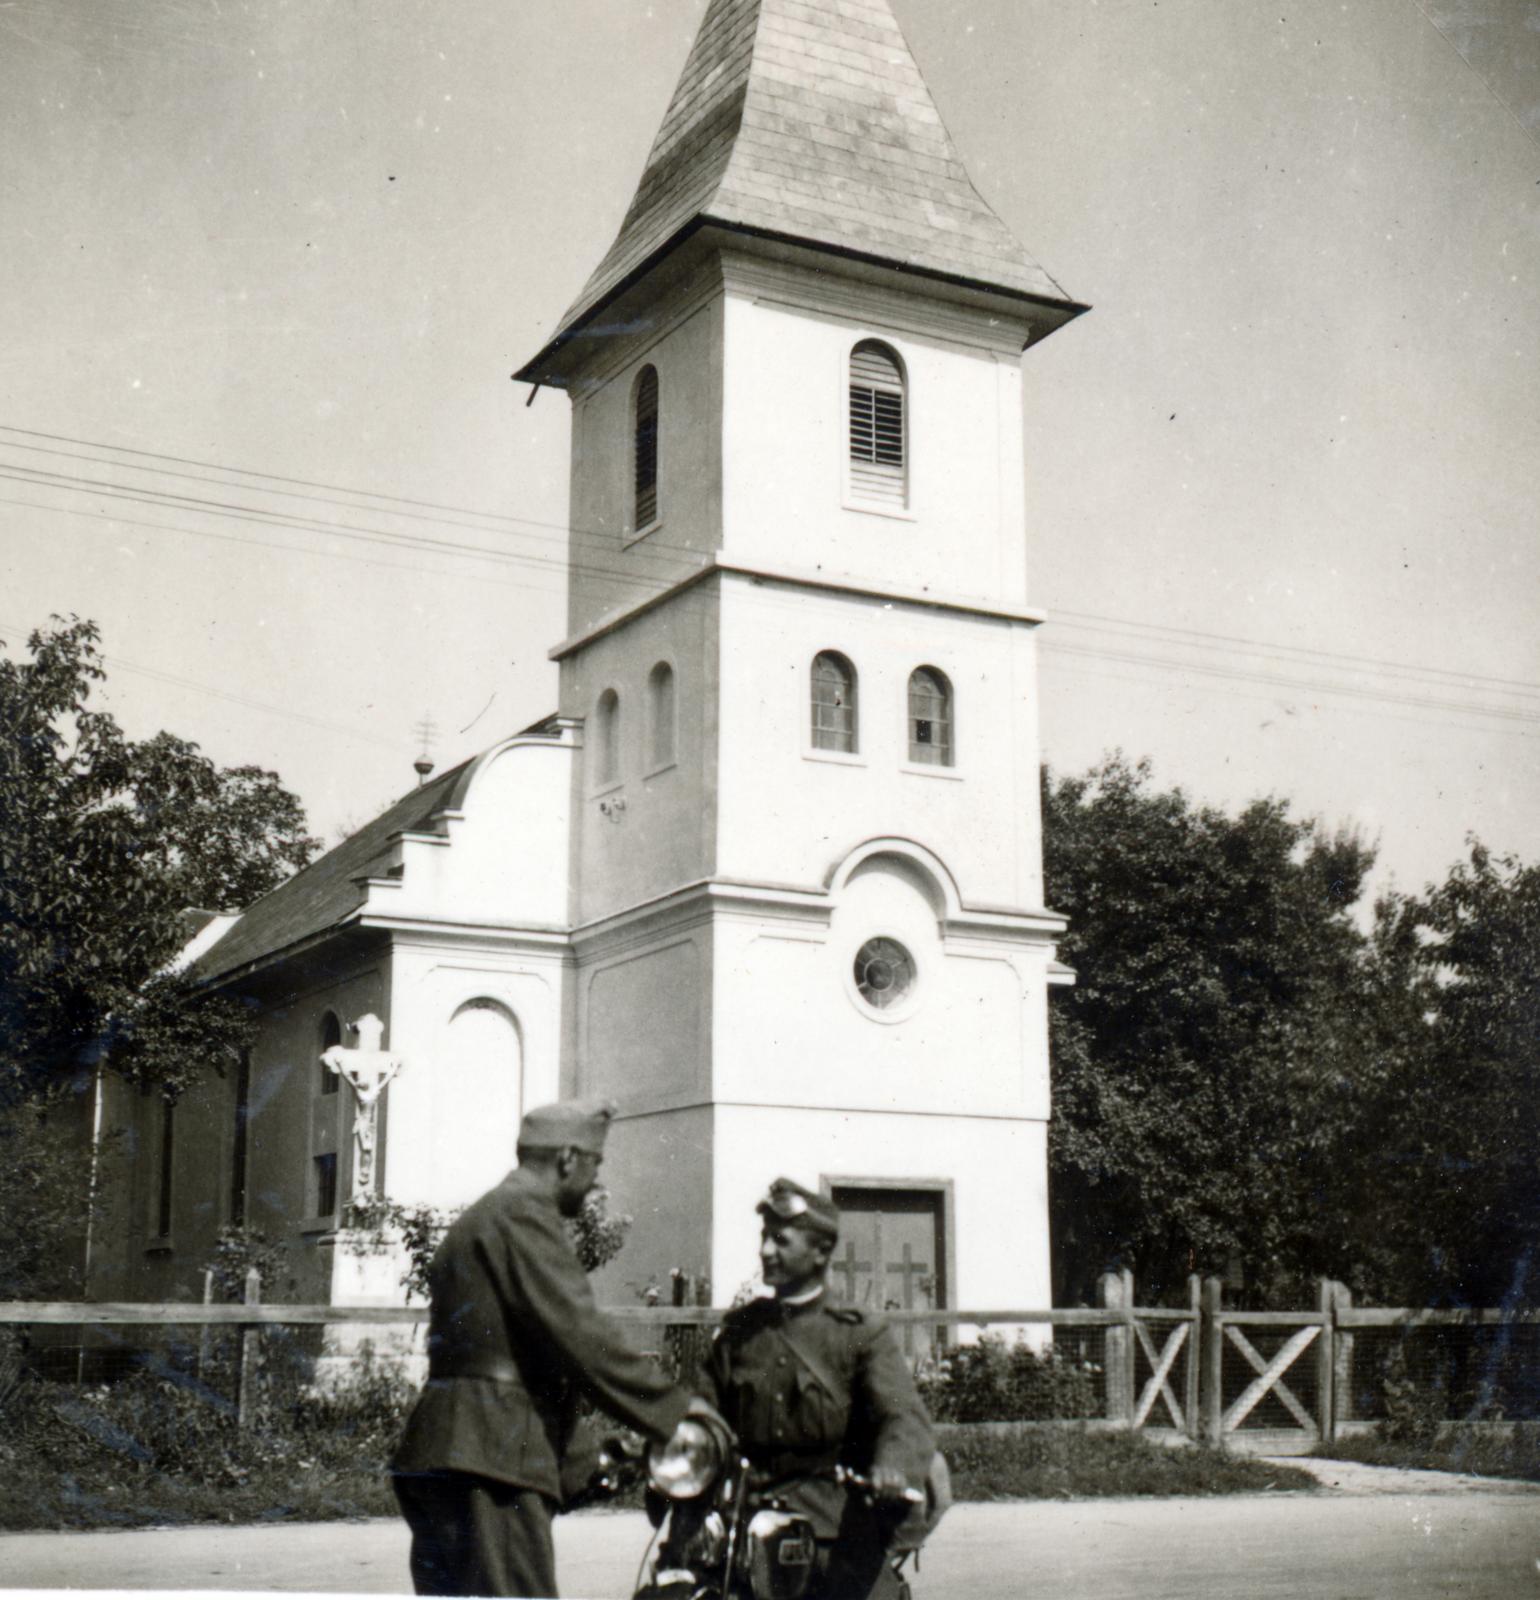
(889, 1484)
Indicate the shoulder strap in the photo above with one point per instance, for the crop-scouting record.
(812, 1364)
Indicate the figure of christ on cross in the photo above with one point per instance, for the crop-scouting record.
(367, 1069)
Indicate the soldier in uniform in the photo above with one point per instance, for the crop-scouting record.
(514, 1338)
(807, 1384)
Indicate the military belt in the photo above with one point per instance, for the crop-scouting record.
(495, 1369)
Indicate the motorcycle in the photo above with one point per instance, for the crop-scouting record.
(728, 1536)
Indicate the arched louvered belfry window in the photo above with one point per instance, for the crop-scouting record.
(835, 725)
(930, 718)
(879, 445)
(606, 741)
(644, 453)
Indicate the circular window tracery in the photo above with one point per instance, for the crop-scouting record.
(884, 973)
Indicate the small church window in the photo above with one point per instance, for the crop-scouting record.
(165, 1190)
(834, 703)
(644, 456)
(660, 714)
(606, 748)
(930, 718)
(325, 1183)
(884, 973)
(331, 1034)
(878, 425)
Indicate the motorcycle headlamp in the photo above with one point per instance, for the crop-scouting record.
(686, 1464)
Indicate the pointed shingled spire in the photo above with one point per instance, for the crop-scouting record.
(808, 120)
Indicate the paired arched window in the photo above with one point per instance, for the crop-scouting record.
(660, 715)
(606, 740)
(835, 721)
(644, 449)
(932, 727)
(930, 718)
(879, 453)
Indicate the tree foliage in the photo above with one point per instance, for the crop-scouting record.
(1199, 1060)
(104, 841)
(1249, 1082)
(1465, 1122)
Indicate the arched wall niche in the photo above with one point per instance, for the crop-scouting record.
(478, 1098)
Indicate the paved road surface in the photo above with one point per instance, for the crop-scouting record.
(1475, 1542)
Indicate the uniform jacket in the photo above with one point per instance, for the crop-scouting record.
(514, 1338)
(789, 1421)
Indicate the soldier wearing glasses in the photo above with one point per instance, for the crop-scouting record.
(514, 1338)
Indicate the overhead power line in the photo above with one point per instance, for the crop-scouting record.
(1414, 676)
(286, 712)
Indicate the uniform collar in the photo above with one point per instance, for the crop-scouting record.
(791, 1304)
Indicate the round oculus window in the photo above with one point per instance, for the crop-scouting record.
(884, 973)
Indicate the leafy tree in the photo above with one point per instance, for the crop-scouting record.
(104, 841)
(1213, 1047)
(1461, 1126)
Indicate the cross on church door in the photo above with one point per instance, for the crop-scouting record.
(891, 1255)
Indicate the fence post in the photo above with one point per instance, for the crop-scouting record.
(1194, 1349)
(1342, 1367)
(206, 1332)
(246, 1368)
(1118, 1355)
(1326, 1364)
(1213, 1362)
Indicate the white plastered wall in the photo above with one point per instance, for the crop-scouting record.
(788, 813)
(996, 1168)
(785, 391)
(484, 907)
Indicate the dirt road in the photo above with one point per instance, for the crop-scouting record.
(1371, 1537)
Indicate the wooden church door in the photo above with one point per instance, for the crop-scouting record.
(892, 1255)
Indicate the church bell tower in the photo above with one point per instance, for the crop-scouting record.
(806, 901)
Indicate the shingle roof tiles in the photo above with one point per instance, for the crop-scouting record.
(810, 118)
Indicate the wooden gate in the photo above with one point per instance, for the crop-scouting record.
(1267, 1376)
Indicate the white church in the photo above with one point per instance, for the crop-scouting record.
(770, 877)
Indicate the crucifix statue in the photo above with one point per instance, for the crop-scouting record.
(367, 1069)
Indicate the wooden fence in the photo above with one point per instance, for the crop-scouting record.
(1274, 1380)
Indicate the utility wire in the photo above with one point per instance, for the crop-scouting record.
(1426, 677)
(1207, 640)
(1065, 616)
(286, 712)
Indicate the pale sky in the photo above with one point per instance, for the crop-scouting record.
(1282, 479)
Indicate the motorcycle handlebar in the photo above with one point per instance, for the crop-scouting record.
(849, 1478)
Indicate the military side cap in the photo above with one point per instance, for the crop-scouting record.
(569, 1124)
(790, 1202)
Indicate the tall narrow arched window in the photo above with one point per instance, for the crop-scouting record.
(331, 1033)
(644, 449)
(879, 446)
(606, 745)
(930, 718)
(835, 725)
(660, 715)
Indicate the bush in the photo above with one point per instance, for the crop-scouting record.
(1486, 1450)
(1076, 1463)
(1413, 1411)
(993, 1381)
(161, 1446)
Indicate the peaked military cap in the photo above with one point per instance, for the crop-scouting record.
(790, 1202)
(568, 1124)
